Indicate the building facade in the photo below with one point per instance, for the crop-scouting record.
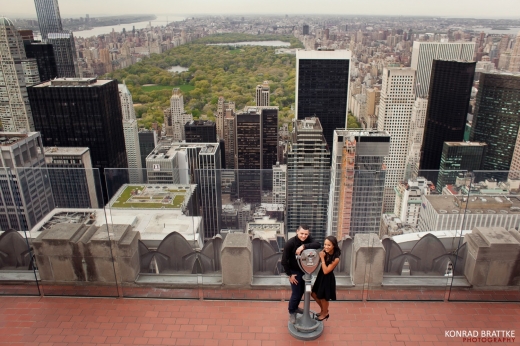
(200, 131)
(262, 94)
(179, 117)
(448, 104)
(73, 180)
(395, 113)
(357, 182)
(423, 54)
(322, 88)
(45, 60)
(83, 112)
(457, 157)
(308, 178)
(415, 137)
(496, 121)
(15, 111)
(26, 194)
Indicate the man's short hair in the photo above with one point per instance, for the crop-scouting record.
(304, 226)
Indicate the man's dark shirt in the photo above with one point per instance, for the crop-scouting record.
(289, 262)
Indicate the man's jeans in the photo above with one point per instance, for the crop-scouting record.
(297, 292)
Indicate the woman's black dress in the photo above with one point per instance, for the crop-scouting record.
(325, 284)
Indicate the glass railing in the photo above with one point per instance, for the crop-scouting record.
(198, 233)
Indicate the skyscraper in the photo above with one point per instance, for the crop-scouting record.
(44, 55)
(448, 104)
(200, 131)
(72, 178)
(457, 157)
(322, 88)
(49, 18)
(423, 54)
(83, 112)
(305, 29)
(25, 188)
(62, 41)
(130, 129)
(262, 94)
(514, 63)
(415, 138)
(308, 178)
(15, 112)
(395, 112)
(179, 117)
(357, 182)
(497, 119)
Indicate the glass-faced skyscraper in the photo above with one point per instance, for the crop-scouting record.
(497, 119)
(308, 178)
(322, 83)
(52, 32)
(448, 103)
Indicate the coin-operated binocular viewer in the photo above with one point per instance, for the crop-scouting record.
(306, 327)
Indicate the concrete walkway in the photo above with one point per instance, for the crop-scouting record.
(107, 321)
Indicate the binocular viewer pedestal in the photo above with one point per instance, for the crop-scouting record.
(306, 327)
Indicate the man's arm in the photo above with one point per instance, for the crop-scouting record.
(312, 244)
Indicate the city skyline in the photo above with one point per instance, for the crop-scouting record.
(445, 8)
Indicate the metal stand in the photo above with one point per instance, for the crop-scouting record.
(306, 327)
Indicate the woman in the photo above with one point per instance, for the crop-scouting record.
(324, 288)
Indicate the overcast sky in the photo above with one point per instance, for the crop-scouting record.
(448, 8)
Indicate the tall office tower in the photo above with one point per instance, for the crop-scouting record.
(308, 178)
(62, 41)
(230, 140)
(514, 63)
(279, 184)
(147, 142)
(200, 131)
(65, 54)
(456, 157)
(256, 150)
(262, 94)
(395, 113)
(25, 188)
(322, 88)
(73, 180)
(357, 182)
(49, 18)
(44, 56)
(131, 132)
(83, 112)
(127, 104)
(15, 112)
(415, 137)
(305, 29)
(423, 54)
(179, 117)
(223, 110)
(497, 119)
(448, 104)
(191, 163)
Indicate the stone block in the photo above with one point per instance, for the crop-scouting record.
(368, 256)
(80, 253)
(493, 257)
(236, 259)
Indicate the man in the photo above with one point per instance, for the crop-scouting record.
(293, 247)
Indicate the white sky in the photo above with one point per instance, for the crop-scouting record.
(448, 8)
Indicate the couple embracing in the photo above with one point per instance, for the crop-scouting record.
(324, 288)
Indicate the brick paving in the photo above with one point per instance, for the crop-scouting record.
(107, 321)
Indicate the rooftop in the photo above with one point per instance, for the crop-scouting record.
(73, 82)
(51, 151)
(475, 204)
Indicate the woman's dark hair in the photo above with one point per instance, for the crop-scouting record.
(334, 242)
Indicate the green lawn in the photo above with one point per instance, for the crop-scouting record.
(184, 87)
(235, 51)
(125, 195)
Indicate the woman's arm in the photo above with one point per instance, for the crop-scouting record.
(327, 268)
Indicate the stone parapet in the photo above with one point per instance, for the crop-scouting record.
(236, 257)
(368, 258)
(493, 257)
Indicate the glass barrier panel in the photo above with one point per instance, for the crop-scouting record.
(157, 216)
(18, 269)
(420, 227)
(68, 227)
(490, 244)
